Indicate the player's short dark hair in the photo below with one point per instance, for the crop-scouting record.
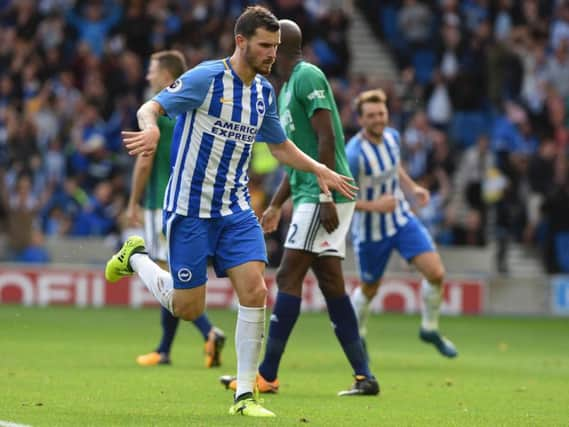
(256, 17)
(376, 96)
(171, 60)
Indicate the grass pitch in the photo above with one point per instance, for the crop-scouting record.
(75, 367)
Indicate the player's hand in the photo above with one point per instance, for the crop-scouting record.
(329, 216)
(270, 219)
(330, 180)
(133, 216)
(142, 142)
(386, 203)
(422, 196)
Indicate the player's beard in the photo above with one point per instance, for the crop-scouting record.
(375, 131)
(256, 64)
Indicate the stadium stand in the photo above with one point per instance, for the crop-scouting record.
(73, 72)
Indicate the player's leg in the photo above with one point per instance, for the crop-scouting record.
(241, 255)
(214, 338)
(361, 300)
(293, 268)
(249, 284)
(158, 251)
(371, 261)
(328, 271)
(296, 261)
(415, 245)
(430, 265)
(290, 276)
(181, 292)
(133, 258)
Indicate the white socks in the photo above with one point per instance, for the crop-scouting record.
(361, 306)
(432, 298)
(248, 341)
(430, 294)
(158, 281)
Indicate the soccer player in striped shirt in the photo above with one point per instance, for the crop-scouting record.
(149, 178)
(384, 221)
(222, 108)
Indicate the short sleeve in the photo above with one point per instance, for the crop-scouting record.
(396, 136)
(352, 153)
(187, 93)
(313, 91)
(271, 130)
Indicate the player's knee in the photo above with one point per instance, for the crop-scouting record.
(370, 291)
(188, 311)
(332, 288)
(256, 296)
(436, 275)
(288, 282)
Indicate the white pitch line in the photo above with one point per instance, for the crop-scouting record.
(11, 424)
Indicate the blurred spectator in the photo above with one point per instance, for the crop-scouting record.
(556, 72)
(22, 208)
(93, 22)
(35, 252)
(503, 19)
(439, 107)
(417, 143)
(560, 27)
(540, 176)
(469, 205)
(415, 21)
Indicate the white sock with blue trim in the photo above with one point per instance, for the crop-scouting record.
(157, 280)
(248, 342)
(432, 297)
(361, 305)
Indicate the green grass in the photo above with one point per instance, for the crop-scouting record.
(75, 367)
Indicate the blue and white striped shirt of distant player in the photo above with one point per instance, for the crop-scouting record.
(218, 120)
(375, 167)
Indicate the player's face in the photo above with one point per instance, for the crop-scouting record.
(157, 77)
(374, 118)
(261, 50)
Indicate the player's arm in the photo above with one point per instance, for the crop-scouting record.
(282, 194)
(140, 176)
(289, 154)
(144, 141)
(321, 122)
(382, 204)
(272, 215)
(409, 186)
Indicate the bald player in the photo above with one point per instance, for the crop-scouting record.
(317, 233)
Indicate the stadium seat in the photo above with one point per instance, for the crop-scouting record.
(388, 19)
(562, 251)
(424, 62)
(466, 127)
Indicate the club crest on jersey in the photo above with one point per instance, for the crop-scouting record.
(184, 274)
(260, 107)
(176, 86)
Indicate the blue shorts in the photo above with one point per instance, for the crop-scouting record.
(372, 257)
(230, 241)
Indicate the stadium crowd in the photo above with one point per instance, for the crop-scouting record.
(481, 101)
(491, 132)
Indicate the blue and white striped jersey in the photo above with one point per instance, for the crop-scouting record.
(375, 168)
(218, 120)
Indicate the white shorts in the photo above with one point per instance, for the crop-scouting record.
(307, 234)
(156, 244)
